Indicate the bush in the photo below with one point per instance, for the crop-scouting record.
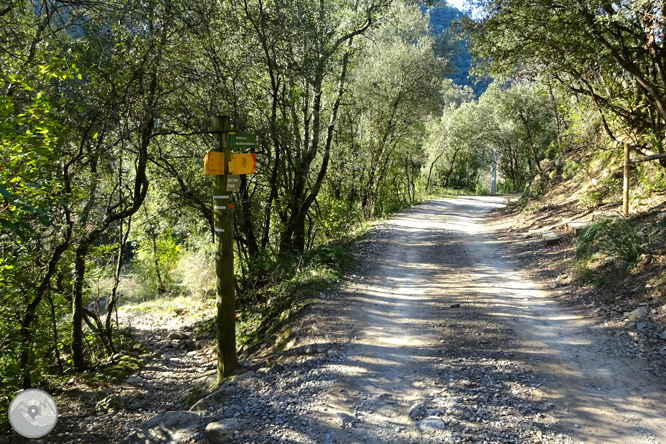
(570, 169)
(615, 238)
(156, 258)
(507, 186)
(196, 268)
(589, 200)
(338, 216)
(481, 190)
(535, 190)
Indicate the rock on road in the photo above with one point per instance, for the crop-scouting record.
(436, 336)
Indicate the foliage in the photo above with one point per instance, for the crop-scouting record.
(513, 122)
(292, 287)
(614, 238)
(394, 90)
(610, 53)
(156, 259)
(650, 179)
(589, 200)
(104, 119)
(104, 112)
(196, 270)
(456, 145)
(481, 190)
(28, 143)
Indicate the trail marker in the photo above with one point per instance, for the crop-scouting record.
(233, 182)
(214, 163)
(223, 221)
(243, 140)
(243, 164)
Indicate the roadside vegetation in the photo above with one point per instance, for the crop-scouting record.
(105, 116)
(594, 73)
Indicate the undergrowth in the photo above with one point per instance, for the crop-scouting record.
(292, 286)
(264, 310)
(612, 243)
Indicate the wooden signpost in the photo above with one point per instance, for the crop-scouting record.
(214, 163)
(627, 162)
(625, 190)
(223, 221)
(243, 163)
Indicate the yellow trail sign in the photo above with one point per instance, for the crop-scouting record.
(243, 164)
(214, 163)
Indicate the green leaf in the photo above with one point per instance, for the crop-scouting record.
(6, 194)
(10, 225)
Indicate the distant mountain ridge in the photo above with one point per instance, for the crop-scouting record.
(449, 46)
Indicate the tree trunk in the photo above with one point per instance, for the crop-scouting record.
(293, 239)
(45, 283)
(29, 317)
(77, 316)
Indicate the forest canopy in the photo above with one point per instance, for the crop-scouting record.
(105, 112)
(360, 109)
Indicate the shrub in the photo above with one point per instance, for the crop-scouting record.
(570, 169)
(156, 259)
(196, 268)
(481, 190)
(589, 200)
(615, 238)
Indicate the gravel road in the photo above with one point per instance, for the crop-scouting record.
(435, 336)
(438, 337)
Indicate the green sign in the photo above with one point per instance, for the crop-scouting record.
(243, 140)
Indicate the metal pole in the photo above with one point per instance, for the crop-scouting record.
(625, 197)
(224, 257)
(493, 184)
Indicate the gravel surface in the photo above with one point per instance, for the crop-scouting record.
(435, 336)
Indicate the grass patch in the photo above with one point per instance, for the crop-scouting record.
(126, 366)
(611, 244)
(440, 193)
(177, 306)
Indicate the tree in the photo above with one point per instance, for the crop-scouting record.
(458, 146)
(106, 86)
(394, 88)
(101, 101)
(525, 106)
(613, 53)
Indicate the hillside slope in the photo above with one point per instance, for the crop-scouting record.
(452, 48)
(628, 299)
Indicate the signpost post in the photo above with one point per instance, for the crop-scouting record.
(223, 220)
(627, 161)
(625, 190)
(226, 167)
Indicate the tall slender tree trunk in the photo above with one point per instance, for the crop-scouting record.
(77, 305)
(29, 317)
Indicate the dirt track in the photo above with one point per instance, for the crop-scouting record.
(436, 335)
(507, 364)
